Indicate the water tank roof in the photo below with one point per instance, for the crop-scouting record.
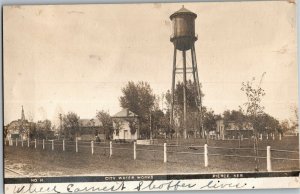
(183, 11)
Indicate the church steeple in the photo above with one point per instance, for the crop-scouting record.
(23, 115)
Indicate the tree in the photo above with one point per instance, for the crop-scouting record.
(5, 131)
(71, 125)
(54, 128)
(107, 123)
(285, 126)
(33, 132)
(168, 101)
(266, 124)
(43, 129)
(168, 130)
(209, 120)
(133, 126)
(193, 114)
(237, 117)
(295, 119)
(157, 123)
(191, 95)
(46, 125)
(253, 109)
(30, 116)
(139, 98)
(253, 106)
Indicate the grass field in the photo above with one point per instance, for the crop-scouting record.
(185, 157)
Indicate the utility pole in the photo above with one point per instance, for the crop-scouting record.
(60, 127)
(150, 126)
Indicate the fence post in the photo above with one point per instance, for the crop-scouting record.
(64, 145)
(223, 137)
(205, 156)
(43, 144)
(260, 136)
(16, 142)
(52, 145)
(35, 143)
(134, 150)
(28, 142)
(92, 147)
(242, 137)
(267, 136)
(273, 136)
(269, 166)
(76, 145)
(280, 136)
(110, 149)
(165, 152)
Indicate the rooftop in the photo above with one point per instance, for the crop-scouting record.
(183, 11)
(125, 113)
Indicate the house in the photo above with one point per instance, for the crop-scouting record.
(232, 129)
(126, 126)
(89, 129)
(13, 130)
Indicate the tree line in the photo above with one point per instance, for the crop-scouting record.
(154, 120)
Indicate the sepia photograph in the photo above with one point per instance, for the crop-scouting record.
(150, 91)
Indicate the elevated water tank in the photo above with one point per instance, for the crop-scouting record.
(183, 23)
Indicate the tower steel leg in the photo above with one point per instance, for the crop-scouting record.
(173, 91)
(184, 94)
(196, 87)
(196, 81)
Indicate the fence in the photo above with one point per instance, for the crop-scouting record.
(240, 139)
(162, 152)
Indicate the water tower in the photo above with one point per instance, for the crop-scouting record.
(184, 38)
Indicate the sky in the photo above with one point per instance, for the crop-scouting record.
(61, 58)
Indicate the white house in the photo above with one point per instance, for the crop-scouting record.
(126, 126)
